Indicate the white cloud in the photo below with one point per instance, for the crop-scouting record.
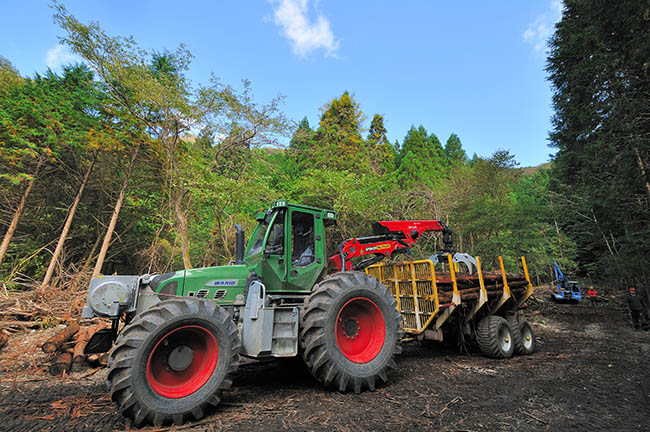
(60, 55)
(306, 35)
(541, 29)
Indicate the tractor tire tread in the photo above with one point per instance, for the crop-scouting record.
(318, 355)
(122, 357)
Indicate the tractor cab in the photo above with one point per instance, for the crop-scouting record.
(287, 248)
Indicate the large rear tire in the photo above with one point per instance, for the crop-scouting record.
(351, 331)
(523, 335)
(494, 337)
(173, 361)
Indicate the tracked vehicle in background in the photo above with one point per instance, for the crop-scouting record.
(346, 315)
(565, 289)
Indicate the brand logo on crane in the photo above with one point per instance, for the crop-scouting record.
(378, 247)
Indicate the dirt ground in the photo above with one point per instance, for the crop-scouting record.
(590, 372)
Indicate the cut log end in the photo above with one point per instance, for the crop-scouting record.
(103, 359)
(61, 364)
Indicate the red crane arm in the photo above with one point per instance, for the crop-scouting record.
(389, 237)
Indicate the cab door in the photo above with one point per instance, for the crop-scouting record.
(274, 265)
(306, 250)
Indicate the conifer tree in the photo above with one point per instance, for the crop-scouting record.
(422, 160)
(454, 151)
(339, 144)
(381, 152)
(598, 65)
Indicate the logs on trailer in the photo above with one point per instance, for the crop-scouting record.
(56, 342)
(427, 299)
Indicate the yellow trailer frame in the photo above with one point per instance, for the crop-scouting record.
(413, 285)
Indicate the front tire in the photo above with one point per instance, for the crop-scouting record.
(173, 361)
(351, 332)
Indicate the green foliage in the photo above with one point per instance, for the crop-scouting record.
(382, 154)
(598, 65)
(454, 151)
(188, 190)
(421, 161)
(9, 76)
(339, 145)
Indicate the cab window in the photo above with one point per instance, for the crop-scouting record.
(258, 238)
(302, 239)
(275, 241)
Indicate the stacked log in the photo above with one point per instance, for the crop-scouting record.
(99, 359)
(469, 285)
(61, 364)
(70, 351)
(55, 343)
(84, 335)
(78, 355)
(3, 339)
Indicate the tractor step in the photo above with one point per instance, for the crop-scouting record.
(285, 332)
(268, 331)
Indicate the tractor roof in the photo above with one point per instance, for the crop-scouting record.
(325, 213)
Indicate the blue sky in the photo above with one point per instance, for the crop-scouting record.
(473, 68)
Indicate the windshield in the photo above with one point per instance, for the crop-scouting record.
(257, 239)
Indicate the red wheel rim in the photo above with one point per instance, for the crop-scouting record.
(360, 330)
(175, 372)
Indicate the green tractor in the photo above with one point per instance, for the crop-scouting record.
(281, 297)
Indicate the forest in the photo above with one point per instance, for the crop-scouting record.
(121, 165)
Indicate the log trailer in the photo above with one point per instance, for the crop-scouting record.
(346, 315)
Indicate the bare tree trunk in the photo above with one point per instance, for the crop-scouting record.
(91, 255)
(66, 227)
(181, 220)
(4, 247)
(557, 231)
(114, 216)
(642, 168)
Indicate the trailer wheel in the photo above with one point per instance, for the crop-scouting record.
(494, 337)
(173, 361)
(351, 331)
(523, 336)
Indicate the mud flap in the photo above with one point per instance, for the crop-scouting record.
(100, 342)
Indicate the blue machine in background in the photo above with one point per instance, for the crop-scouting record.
(567, 290)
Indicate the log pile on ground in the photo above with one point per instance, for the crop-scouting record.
(69, 345)
(55, 343)
(4, 338)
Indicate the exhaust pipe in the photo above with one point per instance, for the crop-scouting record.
(239, 245)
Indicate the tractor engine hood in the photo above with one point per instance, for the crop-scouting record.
(222, 283)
